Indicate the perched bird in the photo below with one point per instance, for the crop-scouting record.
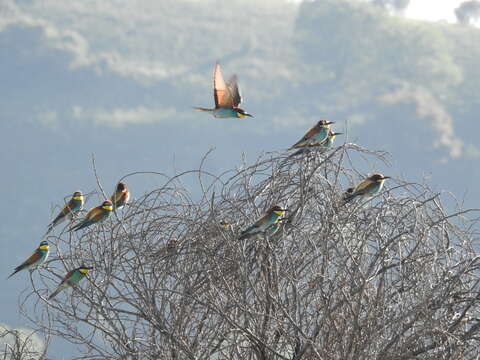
(273, 229)
(71, 279)
(227, 97)
(225, 224)
(347, 193)
(74, 205)
(95, 215)
(121, 196)
(371, 186)
(323, 146)
(271, 218)
(315, 136)
(37, 257)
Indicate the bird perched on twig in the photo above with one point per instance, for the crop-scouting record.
(315, 136)
(227, 97)
(95, 215)
(371, 186)
(121, 196)
(74, 205)
(262, 225)
(322, 147)
(71, 279)
(38, 256)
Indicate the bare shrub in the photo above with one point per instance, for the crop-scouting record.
(392, 278)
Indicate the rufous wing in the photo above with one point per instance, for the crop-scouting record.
(220, 90)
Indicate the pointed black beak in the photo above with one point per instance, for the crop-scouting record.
(335, 133)
(330, 122)
(249, 115)
(386, 177)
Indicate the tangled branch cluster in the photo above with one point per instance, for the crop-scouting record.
(391, 278)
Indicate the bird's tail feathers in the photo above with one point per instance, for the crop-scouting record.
(201, 108)
(347, 198)
(16, 271)
(56, 292)
(248, 232)
(75, 228)
(55, 222)
(80, 226)
(299, 152)
(244, 236)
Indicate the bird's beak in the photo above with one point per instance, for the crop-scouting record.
(386, 177)
(249, 115)
(337, 133)
(330, 122)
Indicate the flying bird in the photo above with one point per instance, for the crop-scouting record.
(71, 279)
(38, 256)
(121, 196)
(227, 97)
(262, 225)
(371, 186)
(74, 205)
(315, 136)
(322, 147)
(95, 215)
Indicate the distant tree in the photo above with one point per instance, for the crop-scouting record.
(468, 12)
(358, 54)
(395, 277)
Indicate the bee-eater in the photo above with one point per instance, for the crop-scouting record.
(272, 230)
(71, 279)
(315, 136)
(262, 225)
(225, 225)
(227, 97)
(371, 186)
(121, 196)
(322, 147)
(74, 205)
(95, 215)
(37, 257)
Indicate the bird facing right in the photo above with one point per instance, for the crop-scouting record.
(95, 215)
(71, 279)
(369, 187)
(38, 257)
(74, 205)
(262, 225)
(315, 136)
(227, 97)
(322, 147)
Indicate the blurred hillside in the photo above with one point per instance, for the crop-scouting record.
(118, 80)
